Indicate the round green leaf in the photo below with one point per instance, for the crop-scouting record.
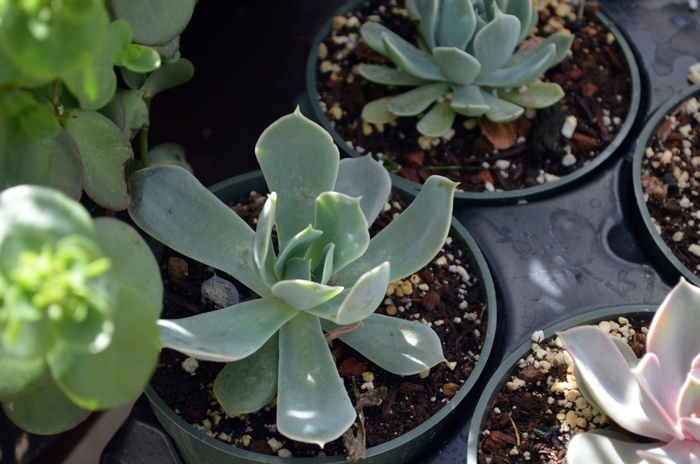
(9, 71)
(18, 374)
(122, 38)
(132, 79)
(66, 172)
(140, 59)
(39, 122)
(48, 45)
(168, 76)
(136, 115)
(23, 158)
(168, 153)
(17, 101)
(114, 111)
(170, 50)
(156, 22)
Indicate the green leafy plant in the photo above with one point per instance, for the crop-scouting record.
(327, 275)
(466, 63)
(656, 396)
(63, 122)
(79, 300)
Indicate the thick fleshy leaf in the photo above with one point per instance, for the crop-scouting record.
(468, 101)
(132, 79)
(388, 76)
(39, 122)
(168, 198)
(676, 452)
(691, 425)
(521, 74)
(132, 262)
(365, 178)
(249, 384)
(501, 110)
(411, 59)
(136, 114)
(562, 42)
(689, 397)
(23, 159)
(365, 296)
(671, 332)
(312, 404)
(655, 399)
(105, 152)
(156, 22)
(169, 50)
(299, 161)
(168, 153)
(415, 101)
(140, 58)
(524, 11)
(9, 71)
(605, 447)
(373, 34)
(18, 374)
(297, 269)
(494, 43)
(434, 201)
(458, 66)
(438, 121)
(329, 309)
(262, 241)
(396, 345)
(227, 334)
(429, 14)
(169, 75)
(66, 173)
(324, 270)
(609, 379)
(117, 374)
(537, 95)
(343, 223)
(44, 409)
(295, 247)
(114, 111)
(457, 23)
(378, 112)
(304, 294)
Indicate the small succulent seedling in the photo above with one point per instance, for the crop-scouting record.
(657, 396)
(79, 300)
(466, 63)
(327, 274)
(63, 122)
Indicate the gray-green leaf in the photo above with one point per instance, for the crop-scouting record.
(417, 100)
(438, 121)
(388, 76)
(364, 177)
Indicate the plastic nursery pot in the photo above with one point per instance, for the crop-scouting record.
(504, 373)
(490, 198)
(657, 249)
(198, 448)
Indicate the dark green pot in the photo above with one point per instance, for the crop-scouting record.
(489, 198)
(196, 447)
(504, 373)
(657, 250)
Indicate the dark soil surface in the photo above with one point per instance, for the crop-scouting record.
(597, 93)
(670, 173)
(535, 421)
(436, 295)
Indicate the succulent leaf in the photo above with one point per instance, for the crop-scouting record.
(297, 269)
(388, 76)
(522, 73)
(495, 42)
(312, 404)
(560, 40)
(66, 168)
(19, 374)
(656, 401)
(304, 294)
(537, 95)
(365, 296)
(605, 447)
(676, 452)
(324, 270)
(366, 179)
(373, 34)
(457, 23)
(411, 59)
(295, 247)
(689, 396)
(501, 110)
(429, 15)
(378, 112)
(248, 385)
(262, 241)
(168, 153)
(457, 66)
(417, 100)
(468, 100)
(438, 121)
(525, 12)
(167, 76)
(228, 334)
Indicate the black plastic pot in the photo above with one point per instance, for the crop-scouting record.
(504, 373)
(196, 447)
(491, 198)
(659, 252)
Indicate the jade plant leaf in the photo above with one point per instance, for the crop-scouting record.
(170, 50)
(66, 171)
(411, 59)
(169, 198)
(114, 111)
(458, 66)
(468, 101)
(168, 153)
(292, 170)
(374, 188)
(457, 23)
(378, 112)
(18, 374)
(39, 122)
(23, 159)
(169, 75)
(417, 100)
(396, 345)
(388, 76)
(140, 58)
(537, 95)
(312, 404)
(227, 334)
(105, 152)
(156, 22)
(9, 71)
(44, 409)
(392, 242)
(132, 79)
(136, 114)
(438, 121)
(249, 384)
(495, 42)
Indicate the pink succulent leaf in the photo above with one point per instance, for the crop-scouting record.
(656, 400)
(626, 351)
(605, 447)
(676, 452)
(691, 427)
(689, 397)
(609, 379)
(673, 334)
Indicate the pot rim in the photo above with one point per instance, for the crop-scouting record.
(492, 198)
(509, 365)
(658, 250)
(479, 267)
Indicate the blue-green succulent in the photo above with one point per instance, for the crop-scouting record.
(326, 275)
(467, 63)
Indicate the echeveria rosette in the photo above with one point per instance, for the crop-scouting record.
(466, 63)
(327, 273)
(79, 300)
(657, 396)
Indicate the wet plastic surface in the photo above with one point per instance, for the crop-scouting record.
(551, 259)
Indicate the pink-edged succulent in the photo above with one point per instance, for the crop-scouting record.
(657, 396)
